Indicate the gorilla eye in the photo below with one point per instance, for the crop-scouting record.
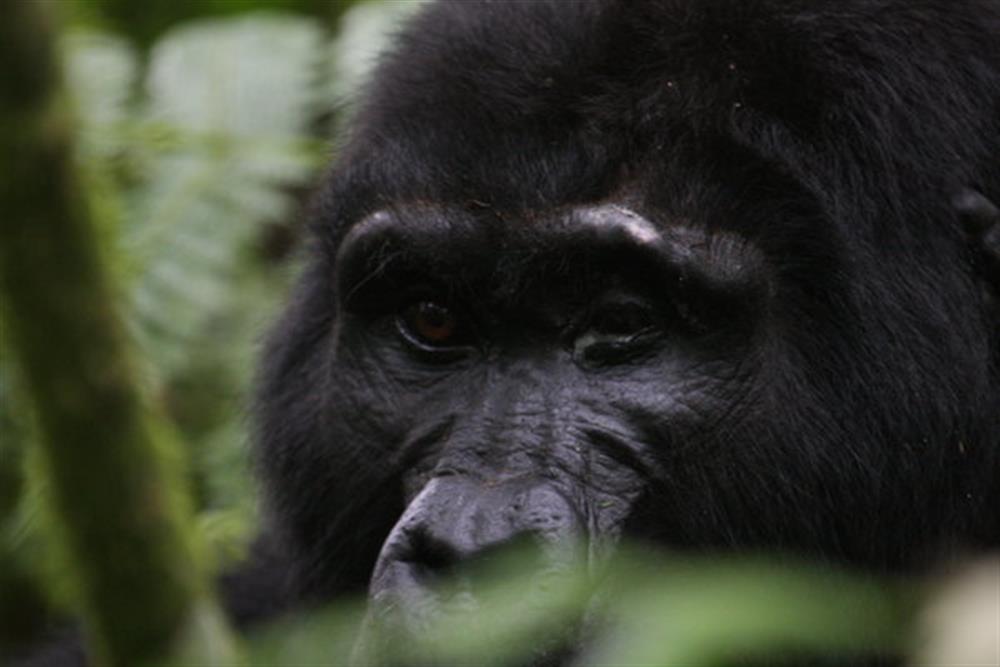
(616, 330)
(622, 320)
(429, 324)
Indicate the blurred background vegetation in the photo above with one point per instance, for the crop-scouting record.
(201, 126)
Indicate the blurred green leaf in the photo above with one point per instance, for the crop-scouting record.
(146, 21)
(101, 72)
(239, 95)
(639, 609)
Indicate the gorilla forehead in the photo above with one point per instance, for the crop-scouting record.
(571, 100)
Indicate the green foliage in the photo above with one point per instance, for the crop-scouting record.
(146, 21)
(196, 158)
(120, 509)
(190, 278)
(649, 610)
(196, 155)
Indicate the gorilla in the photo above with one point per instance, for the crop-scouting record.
(713, 275)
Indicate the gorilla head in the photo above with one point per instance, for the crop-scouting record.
(711, 275)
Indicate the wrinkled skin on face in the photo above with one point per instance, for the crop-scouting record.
(713, 276)
(533, 409)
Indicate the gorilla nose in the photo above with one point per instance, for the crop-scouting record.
(476, 519)
(456, 522)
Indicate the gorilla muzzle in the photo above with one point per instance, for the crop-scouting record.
(458, 528)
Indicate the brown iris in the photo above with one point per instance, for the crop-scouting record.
(431, 324)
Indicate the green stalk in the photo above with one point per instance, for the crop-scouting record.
(118, 499)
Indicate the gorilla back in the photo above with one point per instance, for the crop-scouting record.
(717, 275)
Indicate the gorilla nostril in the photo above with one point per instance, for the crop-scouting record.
(431, 556)
(431, 560)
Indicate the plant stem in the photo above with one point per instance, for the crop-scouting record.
(119, 502)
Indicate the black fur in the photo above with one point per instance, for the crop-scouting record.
(852, 413)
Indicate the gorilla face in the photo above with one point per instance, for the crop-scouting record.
(579, 281)
(540, 376)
